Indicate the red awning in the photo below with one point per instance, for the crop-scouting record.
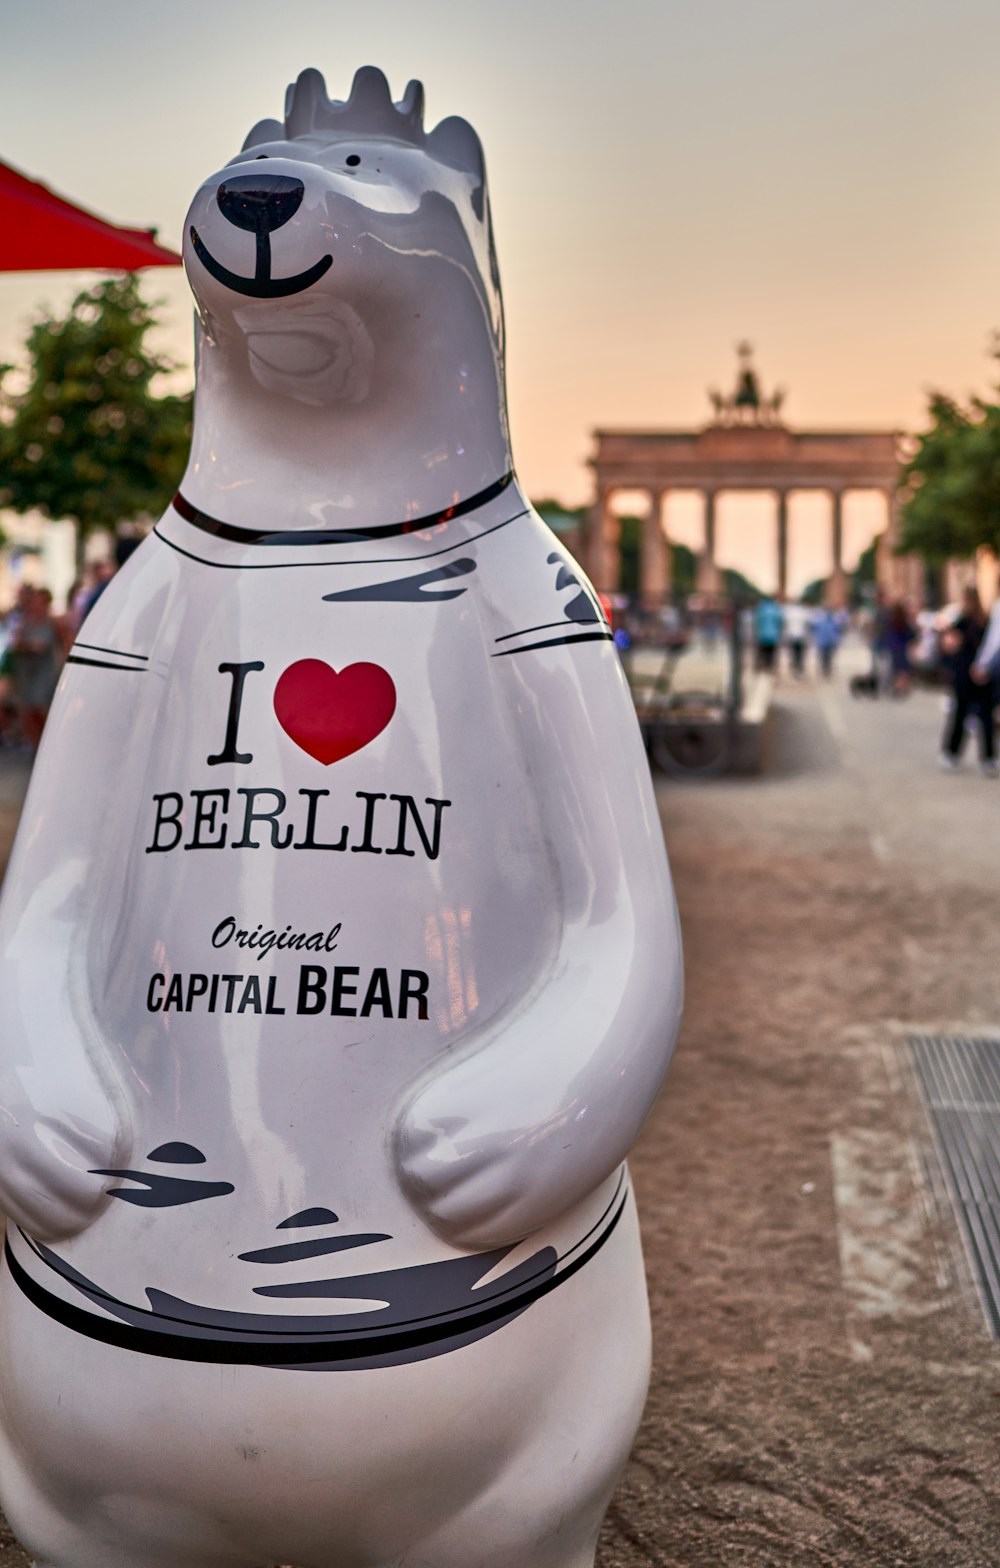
(40, 232)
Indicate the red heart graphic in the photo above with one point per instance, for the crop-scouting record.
(331, 715)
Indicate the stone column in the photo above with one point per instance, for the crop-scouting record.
(782, 541)
(708, 572)
(603, 553)
(655, 573)
(836, 588)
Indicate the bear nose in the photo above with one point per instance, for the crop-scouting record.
(260, 202)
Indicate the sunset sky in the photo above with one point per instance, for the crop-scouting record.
(666, 179)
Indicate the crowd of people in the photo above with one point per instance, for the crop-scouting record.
(958, 647)
(780, 623)
(34, 642)
(962, 646)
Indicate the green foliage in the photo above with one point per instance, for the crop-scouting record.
(732, 583)
(685, 568)
(571, 516)
(630, 546)
(813, 592)
(87, 439)
(953, 480)
(567, 523)
(864, 578)
(737, 586)
(866, 571)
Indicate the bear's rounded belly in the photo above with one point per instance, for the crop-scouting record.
(312, 1464)
(330, 871)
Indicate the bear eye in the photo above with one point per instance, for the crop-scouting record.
(352, 160)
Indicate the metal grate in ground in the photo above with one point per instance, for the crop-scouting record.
(959, 1078)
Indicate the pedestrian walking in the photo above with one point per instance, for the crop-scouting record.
(826, 631)
(796, 628)
(899, 638)
(987, 663)
(100, 574)
(878, 631)
(35, 651)
(767, 623)
(960, 646)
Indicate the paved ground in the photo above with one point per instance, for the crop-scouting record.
(824, 1388)
(824, 1391)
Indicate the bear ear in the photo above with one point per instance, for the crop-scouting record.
(455, 142)
(264, 131)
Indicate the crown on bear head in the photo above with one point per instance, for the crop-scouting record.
(369, 111)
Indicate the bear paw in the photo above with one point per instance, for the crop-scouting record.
(475, 1186)
(47, 1185)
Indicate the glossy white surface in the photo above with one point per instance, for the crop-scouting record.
(327, 1254)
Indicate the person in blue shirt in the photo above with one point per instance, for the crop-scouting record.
(826, 629)
(768, 621)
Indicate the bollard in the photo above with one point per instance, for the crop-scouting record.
(339, 962)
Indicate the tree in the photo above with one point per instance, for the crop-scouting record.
(952, 482)
(86, 438)
(684, 567)
(737, 586)
(630, 553)
(864, 578)
(814, 592)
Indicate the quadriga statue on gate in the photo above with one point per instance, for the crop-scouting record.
(339, 963)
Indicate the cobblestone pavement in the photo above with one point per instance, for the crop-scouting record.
(824, 1388)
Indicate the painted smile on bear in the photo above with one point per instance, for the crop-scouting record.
(261, 285)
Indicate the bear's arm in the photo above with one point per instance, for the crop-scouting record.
(536, 1114)
(61, 1114)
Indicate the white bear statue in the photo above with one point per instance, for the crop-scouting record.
(339, 961)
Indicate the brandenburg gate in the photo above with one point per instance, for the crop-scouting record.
(746, 446)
